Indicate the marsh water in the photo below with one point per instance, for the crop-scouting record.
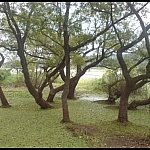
(92, 97)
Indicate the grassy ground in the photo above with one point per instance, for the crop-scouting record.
(26, 125)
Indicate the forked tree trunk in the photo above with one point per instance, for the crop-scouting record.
(36, 94)
(53, 92)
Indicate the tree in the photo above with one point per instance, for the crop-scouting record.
(135, 62)
(128, 42)
(101, 42)
(2, 95)
(16, 31)
(131, 82)
(66, 117)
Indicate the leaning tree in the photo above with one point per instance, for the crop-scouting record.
(4, 101)
(131, 82)
(15, 27)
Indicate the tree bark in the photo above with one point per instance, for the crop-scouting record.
(53, 92)
(123, 107)
(72, 87)
(2, 96)
(135, 103)
(3, 99)
(66, 117)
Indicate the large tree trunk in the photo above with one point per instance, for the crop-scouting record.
(3, 99)
(66, 117)
(135, 103)
(50, 97)
(37, 95)
(2, 96)
(123, 107)
(72, 87)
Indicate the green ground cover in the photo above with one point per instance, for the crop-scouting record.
(26, 125)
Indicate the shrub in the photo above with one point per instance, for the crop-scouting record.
(4, 73)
